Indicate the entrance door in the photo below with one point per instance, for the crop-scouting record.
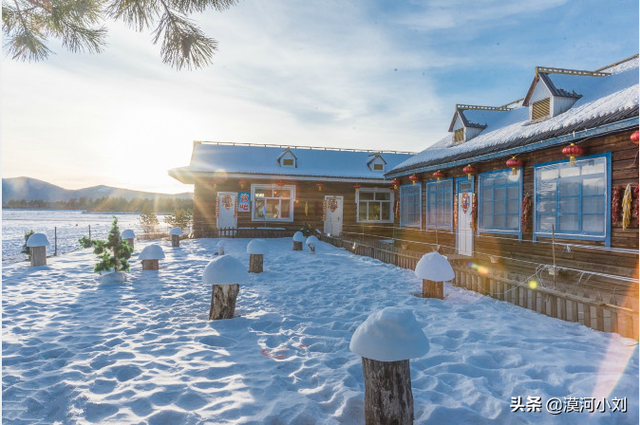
(333, 215)
(464, 236)
(227, 216)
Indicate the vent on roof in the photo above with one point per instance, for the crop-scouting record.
(540, 109)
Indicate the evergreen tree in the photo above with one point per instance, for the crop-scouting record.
(148, 219)
(114, 253)
(28, 24)
(181, 218)
(25, 248)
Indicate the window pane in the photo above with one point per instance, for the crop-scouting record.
(513, 207)
(547, 189)
(260, 193)
(512, 222)
(593, 223)
(259, 208)
(545, 222)
(593, 186)
(374, 211)
(568, 223)
(593, 204)
(568, 206)
(548, 174)
(513, 192)
(546, 205)
(286, 208)
(362, 211)
(592, 166)
(498, 208)
(498, 194)
(273, 208)
(386, 210)
(285, 193)
(569, 171)
(383, 196)
(365, 196)
(569, 188)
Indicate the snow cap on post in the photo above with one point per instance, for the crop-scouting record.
(257, 246)
(127, 234)
(312, 240)
(220, 243)
(434, 266)
(37, 240)
(390, 335)
(298, 237)
(176, 231)
(152, 252)
(225, 270)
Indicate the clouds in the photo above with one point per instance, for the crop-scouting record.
(361, 74)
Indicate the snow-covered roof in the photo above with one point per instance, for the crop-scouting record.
(603, 100)
(234, 159)
(389, 335)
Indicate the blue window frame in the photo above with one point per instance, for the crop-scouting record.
(440, 204)
(411, 205)
(499, 201)
(573, 200)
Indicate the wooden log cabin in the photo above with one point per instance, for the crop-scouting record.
(246, 186)
(544, 189)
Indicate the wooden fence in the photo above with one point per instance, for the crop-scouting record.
(614, 314)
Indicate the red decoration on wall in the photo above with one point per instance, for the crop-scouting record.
(465, 202)
(241, 183)
(455, 212)
(572, 151)
(469, 170)
(319, 186)
(333, 204)
(324, 210)
(474, 212)
(413, 178)
(439, 175)
(636, 192)
(514, 163)
(635, 136)
(395, 183)
(526, 213)
(217, 206)
(616, 204)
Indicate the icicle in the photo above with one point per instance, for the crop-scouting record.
(626, 207)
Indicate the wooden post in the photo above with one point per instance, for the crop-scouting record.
(175, 241)
(255, 263)
(223, 301)
(297, 246)
(388, 398)
(431, 289)
(38, 256)
(130, 242)
(150, 265)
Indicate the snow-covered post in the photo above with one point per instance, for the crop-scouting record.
(128, 236)
(256, 249)
(433, 269)
(37, 244)
(224, 274)
(386, 341)
(150, 256)
(311, 242)
(175, 233)
(220, 246)
(298, 238)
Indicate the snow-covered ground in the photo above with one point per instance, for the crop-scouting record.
(79, 352)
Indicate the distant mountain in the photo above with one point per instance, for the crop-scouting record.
(19, 188)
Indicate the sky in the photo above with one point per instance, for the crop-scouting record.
(363, 74)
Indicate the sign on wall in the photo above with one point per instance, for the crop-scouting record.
(244, 204)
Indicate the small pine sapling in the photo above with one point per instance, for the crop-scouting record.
(25, 248)
(114, 253)
(86, 242)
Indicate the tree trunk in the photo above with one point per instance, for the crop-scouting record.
(297, 246)
(255, 263)
(150, 265)
(38, 256)
(175, 241)
(431, 289)
(223, 301)
(388, 398)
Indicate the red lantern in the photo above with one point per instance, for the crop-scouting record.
(320, 186)
(395, 183)
(634, 137)
(514, 163)
(357, 187)
(469, 170)
(413, 178)
(572, 151)
(439, 175)
(241, 183)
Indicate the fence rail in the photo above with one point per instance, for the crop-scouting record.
(615, 314)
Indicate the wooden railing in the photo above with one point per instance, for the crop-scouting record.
(561, 302)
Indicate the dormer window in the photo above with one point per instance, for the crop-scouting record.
(540, 109)
(288, 159)
(458, 135)
(377, 163)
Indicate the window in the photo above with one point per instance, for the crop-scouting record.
(458, 135)
(375, 205)
(440, 204)
(378, 167)
(540, 109)
(571, 200)
(500, 194)
(272, 202)
(288, 162)
(411, 205)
